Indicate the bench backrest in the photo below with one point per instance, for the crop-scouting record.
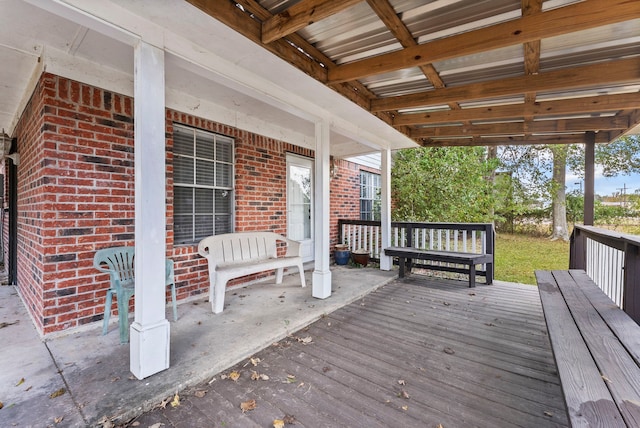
(230, 248)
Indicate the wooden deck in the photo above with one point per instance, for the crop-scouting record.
(417, 353)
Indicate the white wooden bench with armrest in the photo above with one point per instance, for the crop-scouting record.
(233, 255)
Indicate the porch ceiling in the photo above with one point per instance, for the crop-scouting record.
(211, 70)
(463, 72)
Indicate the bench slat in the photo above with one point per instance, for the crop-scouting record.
(621, 324)
(588, 399)
(616, 365)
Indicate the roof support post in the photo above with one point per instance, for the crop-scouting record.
(589, 178)
(149, 351)
(386, 262)
(322, 274)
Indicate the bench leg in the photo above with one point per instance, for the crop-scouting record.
(217, 296)
(302, 280)
(401, 261)
(472, 275)
(279, 274)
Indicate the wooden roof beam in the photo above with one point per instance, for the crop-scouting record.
(300, 15)
(555, 22)
(542, 126)
(601, 137)
(601, 74)
(584, 105)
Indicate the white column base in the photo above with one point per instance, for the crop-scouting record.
(321, 284)
(386, 262)
(147, 343)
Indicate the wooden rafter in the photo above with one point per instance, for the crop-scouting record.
(563, 20)
(601, 137)
(300, 15)
(584, 105)
(542, 126)
(614, 72)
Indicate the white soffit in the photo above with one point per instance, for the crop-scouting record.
(236, 63)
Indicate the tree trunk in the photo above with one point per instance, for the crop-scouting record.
(492, 153)
(560, 228)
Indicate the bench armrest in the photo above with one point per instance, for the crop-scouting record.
(294, 249)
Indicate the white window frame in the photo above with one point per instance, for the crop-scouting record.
(197, 184)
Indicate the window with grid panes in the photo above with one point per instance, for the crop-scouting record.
(202, 184)
(369, 196)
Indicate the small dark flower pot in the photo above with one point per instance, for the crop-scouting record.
(360, 258)
(341, 256)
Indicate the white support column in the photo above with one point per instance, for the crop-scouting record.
(386, 262)
(149, 352)
(322, 274)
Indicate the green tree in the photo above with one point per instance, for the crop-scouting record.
(442, 184)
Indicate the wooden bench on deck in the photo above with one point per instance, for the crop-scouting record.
(406, 255)
(596, 347)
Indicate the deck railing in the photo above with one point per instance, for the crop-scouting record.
(462, 237)
(612, 260)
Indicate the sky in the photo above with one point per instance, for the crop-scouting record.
(606, 186)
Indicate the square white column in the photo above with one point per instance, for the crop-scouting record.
(321, 277)
(149, 334)
(386, 262)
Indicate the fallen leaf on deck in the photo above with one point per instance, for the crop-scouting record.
(325, 369)
(401, 382)
(404, 394)
(278, 423)
(234, 376)
(291, 379)
(255, 361)
(449, 351)
(200, 393)
(606, 379)
(20, 382)
(446, 303)
(176, 400)
(245, 406)
(472, 294)
(135, 424)
(405, 407)
(164, 403)
(289, 419)
(157, 425)
(548, 413)
(1, 404)
(58, 419)
(440, 426)
(58, 393)
(305, 340)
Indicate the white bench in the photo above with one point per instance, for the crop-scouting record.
(233, 255)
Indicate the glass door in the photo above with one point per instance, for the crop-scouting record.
(300, 203)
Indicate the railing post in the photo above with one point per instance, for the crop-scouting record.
(631, 299)
(490, 245)
(409, 235)
(577, 249)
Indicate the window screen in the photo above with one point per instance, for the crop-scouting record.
(202, 184)
(369, 196)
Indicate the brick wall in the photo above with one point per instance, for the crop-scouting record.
(76, 195)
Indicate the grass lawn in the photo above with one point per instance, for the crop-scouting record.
(518, 256)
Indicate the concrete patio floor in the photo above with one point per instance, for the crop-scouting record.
(83, 378)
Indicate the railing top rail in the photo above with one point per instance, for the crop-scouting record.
(425, 225)
(605, 235)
